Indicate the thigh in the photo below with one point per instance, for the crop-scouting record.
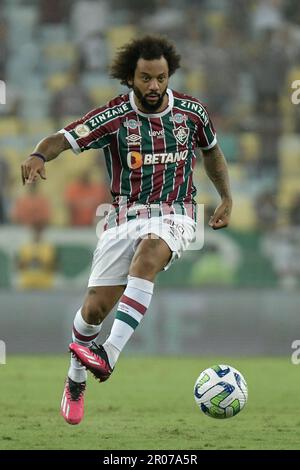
(111, 260)
(151, 255)
(177, 231)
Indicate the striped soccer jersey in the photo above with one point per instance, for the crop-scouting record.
(150, 158)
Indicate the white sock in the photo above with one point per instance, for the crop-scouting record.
(131, 309)
(83, 333)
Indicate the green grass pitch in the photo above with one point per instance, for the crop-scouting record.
(147, 404)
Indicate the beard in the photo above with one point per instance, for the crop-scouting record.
(150, 107)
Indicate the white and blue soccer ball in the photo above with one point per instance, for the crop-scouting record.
(221, 391)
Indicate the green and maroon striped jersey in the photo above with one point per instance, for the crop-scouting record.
(149, 157)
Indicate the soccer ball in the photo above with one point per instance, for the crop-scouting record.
(221, 391)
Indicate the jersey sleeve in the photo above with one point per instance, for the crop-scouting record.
(206, 136)
(87, 133)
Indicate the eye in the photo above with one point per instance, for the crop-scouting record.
(145, 79)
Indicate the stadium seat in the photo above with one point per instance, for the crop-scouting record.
(57, 81)
(53, 33)
(35, 106)
(92, 80)
(293, 74)
(39, 127)
(100, 95)
(5, 270)
(23, 64)
(67, 120)
(288, 189)
(288, 118)
(249, 146)
(229, 145)
(243, 214)
(215, 20)
(289, 155)
(195, 81)
(22, 21)
(10, 127)
(237, 177)
(119, 35)
(59, 56)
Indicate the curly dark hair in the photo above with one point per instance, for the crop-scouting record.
(148, 48)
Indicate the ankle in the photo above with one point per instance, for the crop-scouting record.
(112, 353)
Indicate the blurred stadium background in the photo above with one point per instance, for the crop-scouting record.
(239, 295)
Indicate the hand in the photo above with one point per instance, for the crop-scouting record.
(31, 169)
(221, 216)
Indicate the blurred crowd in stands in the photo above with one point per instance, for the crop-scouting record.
(240, 57)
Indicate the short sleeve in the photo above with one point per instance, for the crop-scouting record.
(206, 137)
(87, 133)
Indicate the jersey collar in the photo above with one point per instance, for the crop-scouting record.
(154, 115)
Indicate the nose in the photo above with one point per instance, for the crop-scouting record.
(153, 85)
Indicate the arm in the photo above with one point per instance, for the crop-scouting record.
(216, 169)
(50, 148)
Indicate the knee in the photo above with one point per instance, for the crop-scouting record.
(144, 264)
(94, 309)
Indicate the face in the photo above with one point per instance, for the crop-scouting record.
(150, 83)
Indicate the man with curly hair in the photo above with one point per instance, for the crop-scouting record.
(149, 136)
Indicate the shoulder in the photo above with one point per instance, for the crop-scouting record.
(115, 107)
(110, 113)
(119, 100)
(193, 106)
(184, 96)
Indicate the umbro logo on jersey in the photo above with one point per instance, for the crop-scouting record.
(133, 139)
(181, 134)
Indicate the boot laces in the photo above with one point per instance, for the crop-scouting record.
(76, 389)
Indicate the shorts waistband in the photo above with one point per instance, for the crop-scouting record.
(122, 214)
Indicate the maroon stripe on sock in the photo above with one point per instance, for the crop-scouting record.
(134, 304)
(82, 337)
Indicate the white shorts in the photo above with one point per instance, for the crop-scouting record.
(117, 245)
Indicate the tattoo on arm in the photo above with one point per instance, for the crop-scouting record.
(216, 169)
(227, 211)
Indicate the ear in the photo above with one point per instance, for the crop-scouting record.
(130, 81)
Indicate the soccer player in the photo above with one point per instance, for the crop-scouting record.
(149, 136)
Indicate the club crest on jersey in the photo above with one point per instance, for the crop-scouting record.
(82, 130)
(131, 123)
(181, 134)
(178, 118)
(133, 139)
